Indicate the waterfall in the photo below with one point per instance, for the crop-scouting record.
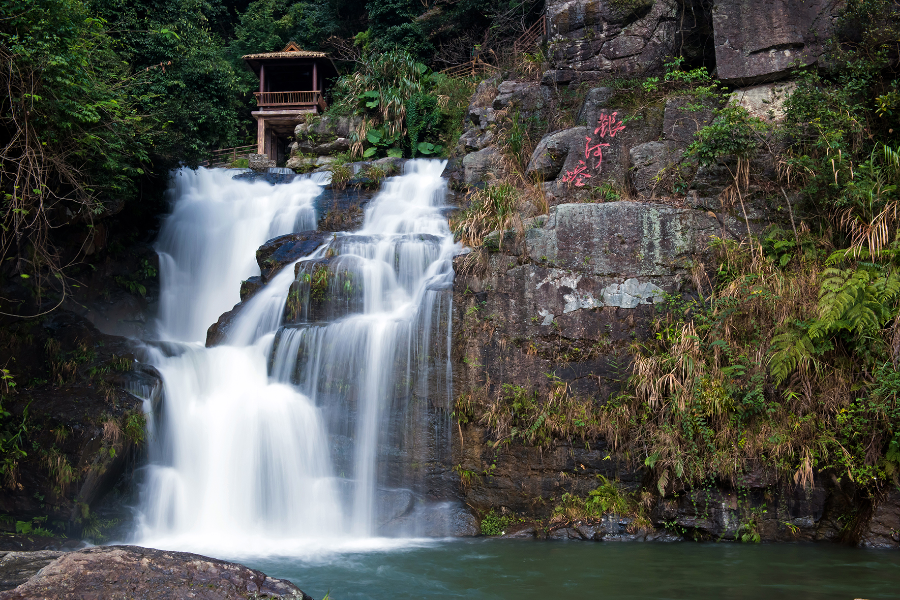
(322, 417)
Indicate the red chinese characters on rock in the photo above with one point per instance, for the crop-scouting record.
(608, 126)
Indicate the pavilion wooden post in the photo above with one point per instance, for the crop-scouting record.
(260, 135)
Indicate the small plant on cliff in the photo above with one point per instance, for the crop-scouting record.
(135, 428)
(340, 175)
(495, 524)
(61, 472)
(518, 413)
(490, 209)
(606, 498)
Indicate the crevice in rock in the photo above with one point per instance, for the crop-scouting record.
(694, 37)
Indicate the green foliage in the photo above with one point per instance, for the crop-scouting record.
(520, 414)
(422, 115)
(135, 283)
(733, 132)
(34, 527)
(606, 498)
(406, 108)
(73, 128)
(135, 428)
(495, 524)
(268, 25)
(188, 90)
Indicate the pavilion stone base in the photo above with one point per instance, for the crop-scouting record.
(274, 124)
(260, 162)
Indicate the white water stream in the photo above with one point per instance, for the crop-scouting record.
(292, 437)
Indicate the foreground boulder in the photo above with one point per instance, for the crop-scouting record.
(134, 572)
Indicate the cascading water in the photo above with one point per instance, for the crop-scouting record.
(318, 419)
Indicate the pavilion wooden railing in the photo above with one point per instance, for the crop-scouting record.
(226, 156)
(473, 68)
(284, 99)
(532, 37)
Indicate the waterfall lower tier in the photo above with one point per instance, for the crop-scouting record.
(326, 411)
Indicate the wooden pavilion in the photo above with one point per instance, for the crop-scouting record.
(291, 85)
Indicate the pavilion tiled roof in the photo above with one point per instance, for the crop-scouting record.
(292, 50)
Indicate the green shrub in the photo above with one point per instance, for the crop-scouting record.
(495, 524)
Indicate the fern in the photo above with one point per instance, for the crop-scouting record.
(858, 301)
(791, 349)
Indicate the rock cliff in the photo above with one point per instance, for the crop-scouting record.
(549, 310)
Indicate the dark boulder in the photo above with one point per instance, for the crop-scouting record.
(769, 39)
(279, 252)
(883, 529)
(589, 39)
(594, 101)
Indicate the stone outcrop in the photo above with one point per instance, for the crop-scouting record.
(260, 162)
(271, 257)
(776, 511)
(766, 101)
(324, 135)
(768, 39)
(612, 528)
(483, 166)
(595, 101)
(134, 572)
(649, 161)
(552, 152)
(528, 97)
(589, 39)
(279, 252)
(574, 162)
(571, 297)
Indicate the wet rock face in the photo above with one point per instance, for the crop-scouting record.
(568, 300)
(591, 38)
(133, 572)
(78, 387)
(764, 40)
(529, 480)
(777, 512)
(271, 257)
(611, 528)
